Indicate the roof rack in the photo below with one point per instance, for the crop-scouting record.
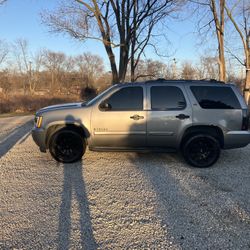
(212, 80)
(183, 80)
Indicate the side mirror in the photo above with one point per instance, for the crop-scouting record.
(105, 106)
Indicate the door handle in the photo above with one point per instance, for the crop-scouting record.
(136, 117)
(182, 116)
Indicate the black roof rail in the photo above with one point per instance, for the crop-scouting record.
(212, 80)
(183, 80)
(165, 80)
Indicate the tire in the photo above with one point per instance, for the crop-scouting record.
(201, 150)
(67, 146)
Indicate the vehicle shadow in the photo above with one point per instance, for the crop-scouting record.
(14, 137)
(74, 186)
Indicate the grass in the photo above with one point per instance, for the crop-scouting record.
(26, 105)
(15, 114)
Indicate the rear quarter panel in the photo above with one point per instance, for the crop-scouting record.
(226, 119)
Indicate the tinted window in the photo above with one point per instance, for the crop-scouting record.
(210, 97)
(167, 98)
(130, 98)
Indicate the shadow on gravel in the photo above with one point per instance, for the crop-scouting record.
(74, 185)
(191, 208)
(171, 201)
(14, 137)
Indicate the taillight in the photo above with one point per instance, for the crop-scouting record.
(245, 119)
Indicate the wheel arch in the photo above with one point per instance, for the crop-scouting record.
(203, 129)
(53, 128)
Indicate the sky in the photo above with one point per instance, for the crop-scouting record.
(21, 19)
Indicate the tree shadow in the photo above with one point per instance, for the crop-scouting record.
(74, 184)
(14, 137)
(190, 206)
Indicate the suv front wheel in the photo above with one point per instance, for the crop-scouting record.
(67, 146)
(201, 150)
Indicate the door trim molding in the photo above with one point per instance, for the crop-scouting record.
(121, 133)
(159, 133)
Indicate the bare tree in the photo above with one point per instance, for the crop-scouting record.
(4, 50)
(219, 22)
(207, 68)
(216, 16)
(242, 26)
(127, 25)
(188, 72)
(54, 63)
(90, 67)
(35, 71)
(23, 60)
(28, 65)
(150, 69)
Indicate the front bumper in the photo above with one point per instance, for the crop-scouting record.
(236, 139)
(38, 135)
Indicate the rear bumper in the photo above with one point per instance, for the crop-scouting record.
(236, 139)
(38, 136)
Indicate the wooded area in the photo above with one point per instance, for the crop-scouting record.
(127, 29)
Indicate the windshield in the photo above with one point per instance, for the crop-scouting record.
(98, 97)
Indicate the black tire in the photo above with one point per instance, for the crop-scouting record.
(67, 146)
(201, 150)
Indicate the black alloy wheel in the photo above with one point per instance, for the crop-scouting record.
(201, 150)
(67, 146)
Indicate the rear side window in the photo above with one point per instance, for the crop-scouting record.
(125, 99)
(167, 98)
(212, 97)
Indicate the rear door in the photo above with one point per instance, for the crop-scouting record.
(169, 113)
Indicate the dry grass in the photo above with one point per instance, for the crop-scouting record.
(25, 103)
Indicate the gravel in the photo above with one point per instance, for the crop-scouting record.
(122, 201)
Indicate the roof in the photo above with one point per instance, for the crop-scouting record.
(165, 81)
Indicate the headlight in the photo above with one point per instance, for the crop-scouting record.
(38, 121)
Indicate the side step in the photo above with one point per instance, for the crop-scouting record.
(139, 149)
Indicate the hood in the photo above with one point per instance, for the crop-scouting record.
(61, 106)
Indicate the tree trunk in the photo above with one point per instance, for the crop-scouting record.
(247, 86)
(247, 65)
(115, 78)
(123, 64)
(222, 63)
(52, 83)
(247, 81)
(133, 43)
(132, 69)
(219, 25)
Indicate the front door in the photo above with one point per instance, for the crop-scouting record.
(167, 116)
(120, 120)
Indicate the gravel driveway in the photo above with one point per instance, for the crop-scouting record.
(122, 201)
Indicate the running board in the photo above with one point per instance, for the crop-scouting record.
(142, 149)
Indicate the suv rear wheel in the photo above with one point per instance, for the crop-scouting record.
(201, 150)
(67, 146)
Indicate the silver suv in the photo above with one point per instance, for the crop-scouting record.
(197, 118)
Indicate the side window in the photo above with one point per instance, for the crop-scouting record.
(167, 98)
(213, 97)
(125, 99)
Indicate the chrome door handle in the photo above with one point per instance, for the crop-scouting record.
(136, 117)
(182, 116)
